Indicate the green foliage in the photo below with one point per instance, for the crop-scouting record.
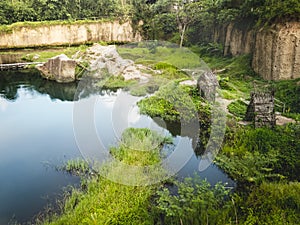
(272, 203)
(115, 82)
(45, 10)
(77, 167)
(106, 202)
(272, 11)
(250, 168)
(254, 155)
(19, 25)
(288, 92)
(195, 202)
(139, 147)
(173, 102)
(238, 108)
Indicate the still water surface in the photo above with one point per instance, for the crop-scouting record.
(36, 136)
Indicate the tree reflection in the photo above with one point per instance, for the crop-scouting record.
(11, 81)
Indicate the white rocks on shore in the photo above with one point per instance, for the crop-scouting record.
(106, 59)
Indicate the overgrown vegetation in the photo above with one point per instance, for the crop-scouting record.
(264, 162)
(195, 202)
(76, 167)
(238, 108)
(271, 203)
(255, 155)
(106, 202)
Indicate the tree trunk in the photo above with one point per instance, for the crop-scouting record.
(182, 35)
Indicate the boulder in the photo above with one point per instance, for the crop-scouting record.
(59, 68)
(208, 84)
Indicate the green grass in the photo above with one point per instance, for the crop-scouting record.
(288, 92)
(178, 58)
(238, 108)
(175, 103)
(45, 54)
(139, 147)
(254, 155)
(271, 203)
(237, 80)
(76, 167)
(115, 82)
(106, 202)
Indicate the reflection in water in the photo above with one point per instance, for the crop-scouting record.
(11, 58)
(11, 81)
(36, 118)
(36, 135)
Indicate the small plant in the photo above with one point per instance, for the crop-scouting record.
(77, 166)
(195, 201)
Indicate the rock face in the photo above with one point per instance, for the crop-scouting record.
(68, 34)
(59, 68)
(238, 40)
(275, 50)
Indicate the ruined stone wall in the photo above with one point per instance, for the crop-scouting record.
(261, 109)
(68, 34)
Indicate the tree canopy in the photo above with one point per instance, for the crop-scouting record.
(180, 21)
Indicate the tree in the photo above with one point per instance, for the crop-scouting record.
(186, 13)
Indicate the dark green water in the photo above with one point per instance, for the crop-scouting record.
(36, 135)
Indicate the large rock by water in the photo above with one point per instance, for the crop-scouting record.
(59, 68)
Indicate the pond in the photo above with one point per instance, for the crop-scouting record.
(37, 136)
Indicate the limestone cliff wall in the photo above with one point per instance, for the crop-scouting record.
(68, 34)
(275, 50)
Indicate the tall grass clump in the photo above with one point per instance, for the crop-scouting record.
(107, 202)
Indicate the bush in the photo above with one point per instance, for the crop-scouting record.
(272, 203)
(195, 202)
(238, 108)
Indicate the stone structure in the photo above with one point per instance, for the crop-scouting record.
(261, 109)
(59, 68)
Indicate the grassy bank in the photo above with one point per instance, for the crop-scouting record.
(105, 202)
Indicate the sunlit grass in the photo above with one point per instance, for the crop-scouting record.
(107, 202)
